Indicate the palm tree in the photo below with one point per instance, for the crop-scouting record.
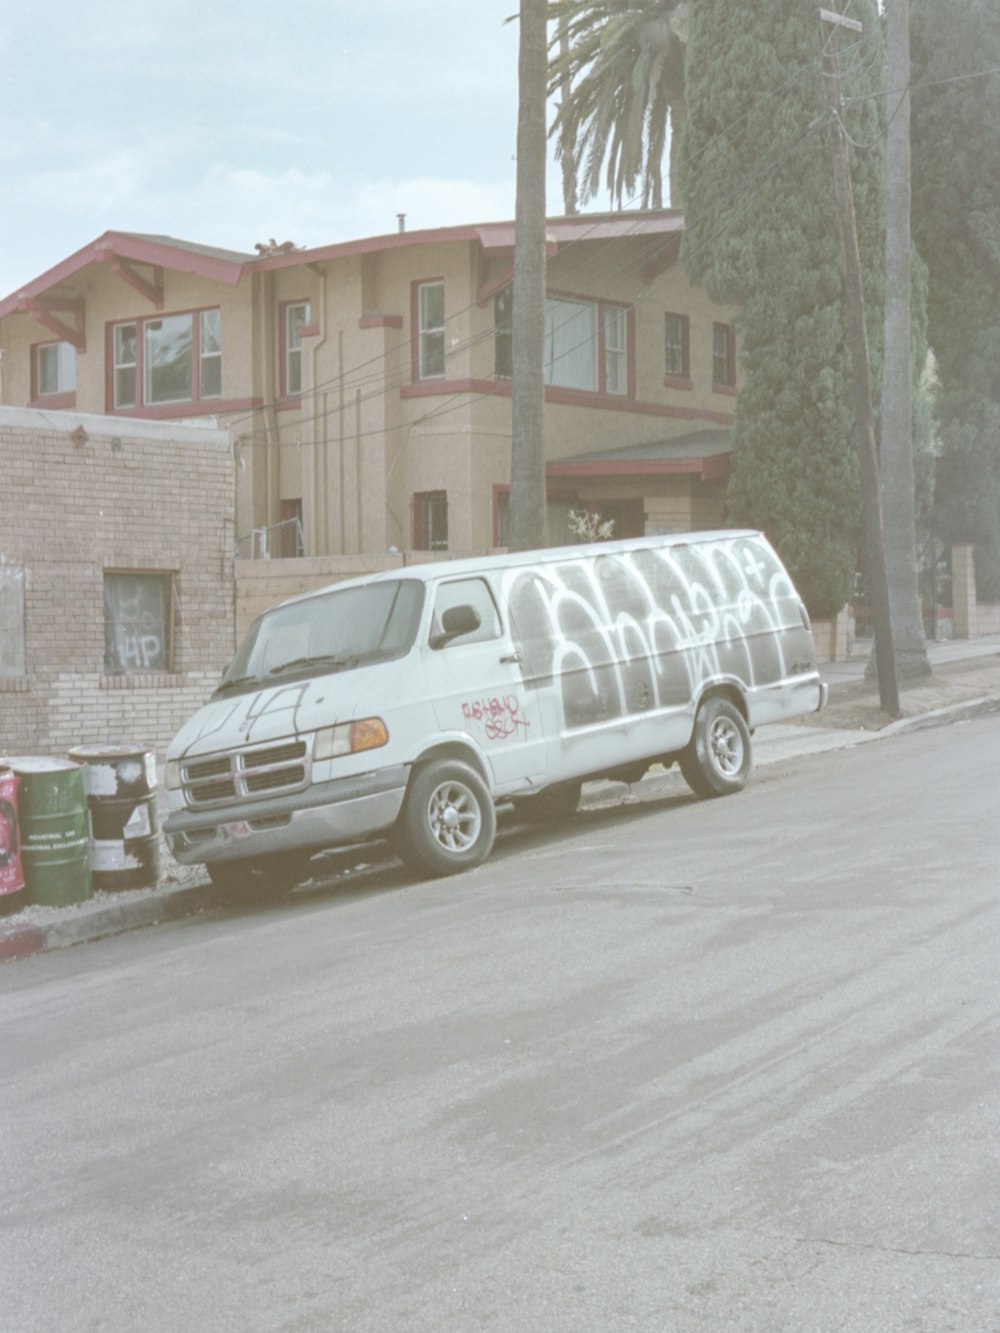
(618, 66)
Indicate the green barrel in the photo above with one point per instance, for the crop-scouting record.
(52, 819)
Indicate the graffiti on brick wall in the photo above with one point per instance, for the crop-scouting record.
(135, 623)
(12, 583)
(644, 629)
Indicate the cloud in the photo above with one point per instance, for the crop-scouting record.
(99, 186)
(235, 207)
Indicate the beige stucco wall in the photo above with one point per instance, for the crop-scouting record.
(360, 442)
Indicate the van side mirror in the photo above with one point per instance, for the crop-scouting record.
(455, 622)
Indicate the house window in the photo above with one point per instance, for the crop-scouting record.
(290, 542)
(430, 325)
(430, 521)
(55, 369)
(615, 350)
(573, 358)
(677, 333)
(210, 354)
(297, 315)
(571, 344)
(503, 334)
(723, 355)
(138, 622)
(169, 359)
(126, 365)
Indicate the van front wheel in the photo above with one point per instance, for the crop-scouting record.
(448, 821)
(718, 758)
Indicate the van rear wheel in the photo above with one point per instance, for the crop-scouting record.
(718, 759)
(448, 821)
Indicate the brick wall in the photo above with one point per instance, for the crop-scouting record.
(81, 496)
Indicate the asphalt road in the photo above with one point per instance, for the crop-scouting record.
(701, 1067)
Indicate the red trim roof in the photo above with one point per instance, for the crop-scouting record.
(229, 266)
(706, 453)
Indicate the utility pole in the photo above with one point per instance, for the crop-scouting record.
(857, 337)
(896, 457)
(527, 455)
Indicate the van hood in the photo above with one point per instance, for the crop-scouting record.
(263, 716)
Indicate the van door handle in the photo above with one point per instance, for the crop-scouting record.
(511, 657)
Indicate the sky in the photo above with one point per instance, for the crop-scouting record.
(312, 121)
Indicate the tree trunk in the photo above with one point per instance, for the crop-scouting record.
(567, 146)
(898, 506)
(857, 340)
(677, 111)
(527, 464)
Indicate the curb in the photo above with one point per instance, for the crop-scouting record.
(110, 914)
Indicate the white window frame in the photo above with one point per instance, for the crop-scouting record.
(63, 354)
(615, 350)
(210, 362)
(120, 366)
(430, 336)
(297, 316)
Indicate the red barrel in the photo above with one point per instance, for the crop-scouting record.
(11, 870)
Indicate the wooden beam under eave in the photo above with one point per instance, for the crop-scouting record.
(152, 291)
(44, 312)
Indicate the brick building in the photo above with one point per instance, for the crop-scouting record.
(116, 577)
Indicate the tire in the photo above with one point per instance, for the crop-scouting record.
(718, 759)
(550, 806)
(448, 821)
(257, 876)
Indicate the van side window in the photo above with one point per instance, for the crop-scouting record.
(468, 592)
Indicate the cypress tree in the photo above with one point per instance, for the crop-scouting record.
(761, 232)
(955, 53)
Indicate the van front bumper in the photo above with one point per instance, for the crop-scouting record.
(326, 814)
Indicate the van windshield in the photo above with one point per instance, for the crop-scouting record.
(336, 631)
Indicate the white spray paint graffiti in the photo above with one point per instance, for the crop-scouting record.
(639, 630)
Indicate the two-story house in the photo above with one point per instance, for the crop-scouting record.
(366, 385)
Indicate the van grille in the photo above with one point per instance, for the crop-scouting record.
(225, 779)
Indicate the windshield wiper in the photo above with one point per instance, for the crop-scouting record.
(234, 683)
(298, 663)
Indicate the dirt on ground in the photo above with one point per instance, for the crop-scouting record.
(854, 705)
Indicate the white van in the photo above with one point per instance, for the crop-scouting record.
(407, 704)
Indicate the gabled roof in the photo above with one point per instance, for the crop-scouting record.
(122, 249)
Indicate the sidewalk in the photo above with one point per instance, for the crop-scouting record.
(964, 682)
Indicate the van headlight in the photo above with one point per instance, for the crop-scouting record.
(369, 733)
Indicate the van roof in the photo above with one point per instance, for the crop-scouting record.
(426, 571)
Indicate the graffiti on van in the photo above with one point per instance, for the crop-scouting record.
(643, 629)
(500, 718)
